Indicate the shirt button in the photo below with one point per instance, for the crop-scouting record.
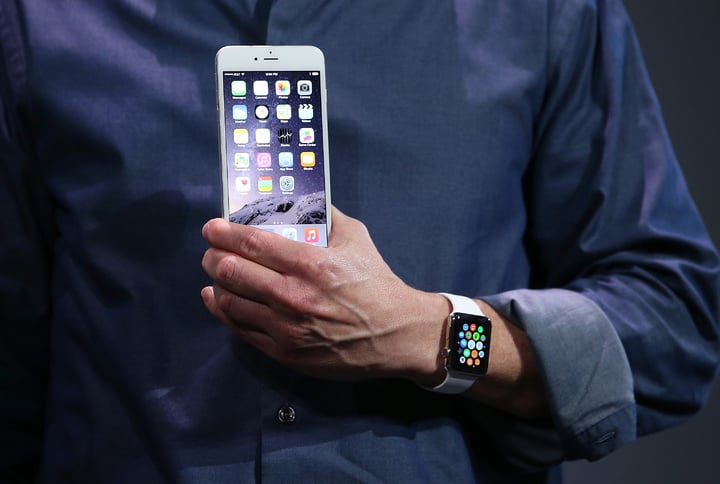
(286, 414)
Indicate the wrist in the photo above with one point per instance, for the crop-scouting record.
(425, 366)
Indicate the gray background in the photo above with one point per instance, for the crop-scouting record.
(680, 41)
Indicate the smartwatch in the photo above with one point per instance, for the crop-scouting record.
(468, 345)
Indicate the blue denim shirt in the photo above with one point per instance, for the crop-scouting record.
(512, 151)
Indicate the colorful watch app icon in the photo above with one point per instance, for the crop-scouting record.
(471, 341)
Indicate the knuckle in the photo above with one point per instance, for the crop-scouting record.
(316, 268)
(225, 302)
(226, 269)
(206, 262)
(252, 244)
(360, 227)
(288, 294)
(323, 267)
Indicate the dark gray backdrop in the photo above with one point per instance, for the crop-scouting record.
(680, 41)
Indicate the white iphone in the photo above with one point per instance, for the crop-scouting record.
(272, 121)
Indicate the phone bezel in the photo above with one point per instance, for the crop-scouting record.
(262, 58)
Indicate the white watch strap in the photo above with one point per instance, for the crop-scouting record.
(458, 384)
(462, 304)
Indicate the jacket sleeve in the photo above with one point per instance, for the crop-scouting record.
(622, 312)
(25, 265)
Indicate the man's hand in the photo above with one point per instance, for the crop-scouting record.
(336, 312)
(341, 313)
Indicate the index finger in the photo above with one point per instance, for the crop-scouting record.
(260, 246)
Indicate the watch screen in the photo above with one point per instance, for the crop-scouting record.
(469, 343)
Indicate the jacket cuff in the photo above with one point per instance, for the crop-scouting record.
(586, 377)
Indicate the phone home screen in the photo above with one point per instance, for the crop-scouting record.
(275, 160)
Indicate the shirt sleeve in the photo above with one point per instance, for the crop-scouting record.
(627, 341)
(24, 269)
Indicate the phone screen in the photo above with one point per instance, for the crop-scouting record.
(275, 163)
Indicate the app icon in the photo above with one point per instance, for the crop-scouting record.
(262, 136)
(284, 111)
(242, 160)
(307, 135)
(265, 184)
(285, 159)
(312, 235)
(242, 184)
(282, 88)
(287, 183)
(263, 160)
(304, 87)
(262, 111)
(238, 88)
(307, 159)
(290, 233)
(240, 136)
(239, 111)
(284, 135)
(305, 111)
(260, 88)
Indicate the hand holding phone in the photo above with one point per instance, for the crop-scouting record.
(273, 140)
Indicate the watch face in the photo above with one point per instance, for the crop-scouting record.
(469, 344)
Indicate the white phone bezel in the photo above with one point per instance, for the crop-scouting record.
(264, 58)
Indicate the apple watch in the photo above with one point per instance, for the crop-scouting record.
(468, 345)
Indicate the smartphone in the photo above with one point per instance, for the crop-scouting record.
(272, 119)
